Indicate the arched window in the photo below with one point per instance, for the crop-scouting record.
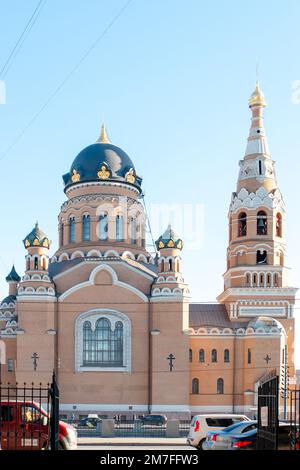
(195, 386)
(190, 355)
(201, 355)
(177, 266)
(281, 258)
(170, 265)
(103, 347)
(214, 356)
(133, 231)
(44, 264)
(278, 225)
(226, 355)
(119, 228)
(261, 280)
(61, 234)
(86, 227)
(220, 386)
(268, 280)
(275, 279)
(261, 257)
(254, 279)
(262, 227)
(162, 266)
(36, 263)
(103, 227)
(242, 225)
(72, 230)
(248, 280)
(28, 264)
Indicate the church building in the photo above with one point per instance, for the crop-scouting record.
(116, 323)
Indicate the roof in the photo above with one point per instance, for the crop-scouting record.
(36, 238)
(13, 275)
(102, 161)
(9, 299)
(214, 315)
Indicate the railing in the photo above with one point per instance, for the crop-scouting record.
(129, 428)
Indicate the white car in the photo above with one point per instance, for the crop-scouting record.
(201, 424)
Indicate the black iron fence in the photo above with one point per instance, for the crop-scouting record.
(267, 431)
(295, 419)
(29, 416)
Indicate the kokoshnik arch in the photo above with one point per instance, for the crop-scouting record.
(107, 316)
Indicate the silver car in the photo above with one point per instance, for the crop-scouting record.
(222, 440)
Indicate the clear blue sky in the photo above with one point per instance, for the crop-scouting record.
(171, 79)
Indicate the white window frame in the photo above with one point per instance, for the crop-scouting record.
(92, 316)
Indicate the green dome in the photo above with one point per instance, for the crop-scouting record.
(13, 276)
(37, 238)
(169, 239)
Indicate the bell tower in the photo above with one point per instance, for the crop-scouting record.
(256, 281)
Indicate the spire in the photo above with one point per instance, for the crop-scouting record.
(257, 141)
(103, 137)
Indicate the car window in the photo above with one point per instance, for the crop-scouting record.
(7, 413)
(233, 427)
(219, 422)
(30, 414)
(238, 419)
(249, 428)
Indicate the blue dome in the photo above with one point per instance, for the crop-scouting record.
(102, 161)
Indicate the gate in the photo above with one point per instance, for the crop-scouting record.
(267, 428)
(29, 417)
(295, 419)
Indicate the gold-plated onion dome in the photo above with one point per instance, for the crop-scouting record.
(257, 97)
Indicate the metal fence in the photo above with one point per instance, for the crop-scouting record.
(129, 428)
(267, 430)
(295, 419)
(29, 417)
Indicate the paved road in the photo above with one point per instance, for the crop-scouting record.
(135, 447)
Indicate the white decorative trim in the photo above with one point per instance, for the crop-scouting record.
(92, 316)
(102, 183)
(261, 198)
(94, 253)
(111, 253)
(75, 254)
(115, 281)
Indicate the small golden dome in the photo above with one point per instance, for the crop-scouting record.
(257, 97)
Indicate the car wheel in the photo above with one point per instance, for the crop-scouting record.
(200, 445)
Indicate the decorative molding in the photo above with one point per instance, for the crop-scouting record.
(115, 281)
(261, 198)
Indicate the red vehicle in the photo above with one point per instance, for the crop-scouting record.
(24, 425)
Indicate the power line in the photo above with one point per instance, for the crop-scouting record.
(66, 79)
(16, 49)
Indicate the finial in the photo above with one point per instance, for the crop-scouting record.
(37, 224)
(103, 137)
(257, 97)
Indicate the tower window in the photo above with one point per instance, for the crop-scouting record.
(278, 225)
(72, 229)
(119, 228)
(214, 356)
(247, 280)
(103, 227)
(195, 386)
(190, 355)
(220, 386)
(226, 355)
(242, 225)
(36, 263)
(260, 167)
(262, 223)
(275, 279)
(170, 265)
(249, 356)
(133, 231)
(261, 280)
(162, 266)
(86, 227)
(268, 280)
(61, 234)
(28, 264)
(254, 280)
(201, 355)
(44, 264)
(261, 257)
